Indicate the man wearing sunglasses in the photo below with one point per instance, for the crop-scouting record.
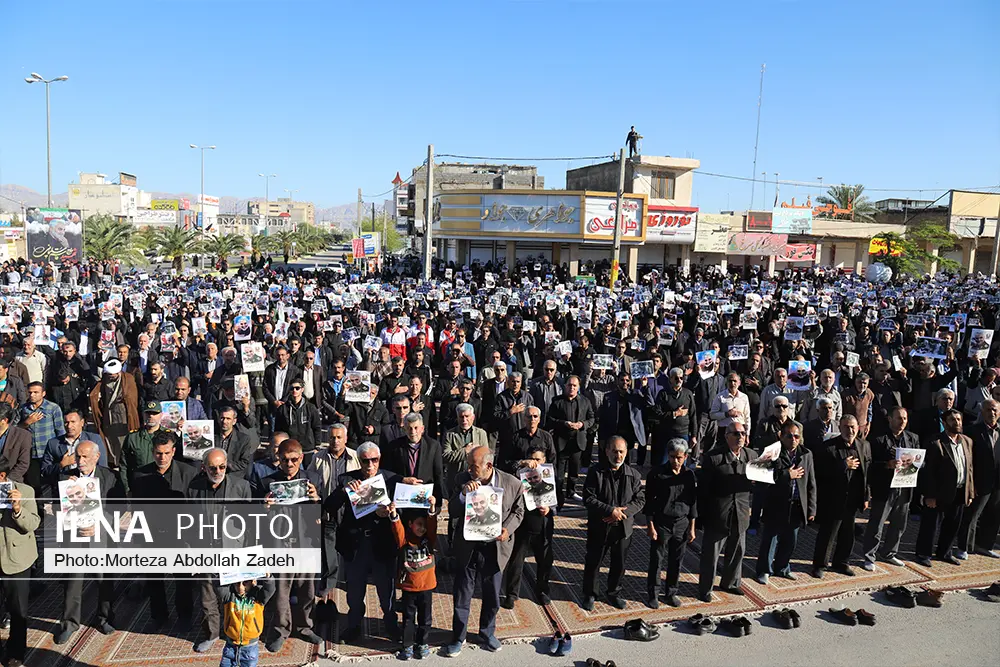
(367, 544)
(300, 419)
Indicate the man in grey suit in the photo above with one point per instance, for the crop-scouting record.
(18, 552)
(484, 561)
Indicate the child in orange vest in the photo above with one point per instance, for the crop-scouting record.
(243, 620)
(416, 536)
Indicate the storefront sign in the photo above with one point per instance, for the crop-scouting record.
(126, 179)
(155, 217)
(748, 243)
(510, 213)
(792, 220)
(759, 221)
(712, 233)
(798, 252)
(599, 217)
(208, 200)
(671, 224)
(878, 246)
(164, 205)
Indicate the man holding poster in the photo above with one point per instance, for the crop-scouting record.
(482, 561)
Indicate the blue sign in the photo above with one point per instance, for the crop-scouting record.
(792, 221)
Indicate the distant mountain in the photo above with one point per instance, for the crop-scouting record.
(344, 215)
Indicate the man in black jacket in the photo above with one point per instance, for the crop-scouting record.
(277, 380)
(613, 495)
(300, 419)
(535, 533)
(788, 504)
(671, 509)
(981, 520)
(569, 418)
(842, 466)
(888, 503)
(724, 511)
(236, 442)
(675, 414)
(367, 544)
(213, 488)
(416, 457)
(510, 409)
(364, 420)
(87, 456)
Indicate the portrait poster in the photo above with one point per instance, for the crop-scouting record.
(198, 436)
(290, 492)
(54, 235)
(539, 486)
(373, 343)
(242, 327)
(483, 511)
(413, 496)
(748, 320)
(5, 502)
(706, 363)
(793, 328)
(762, 469)
(172, 415)
(198, 326)
(908, 464)
(242, 386)
(80, 501)
(799, 375)
(228, 577)
(853, 360)
(369, 496)
(737, 352)
(253, 357)
(358, 386)
(979, 343)
(932, 348)
(72, 311)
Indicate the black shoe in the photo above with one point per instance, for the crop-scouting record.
(617, 601)
(782, 618)
(106, 628)
(588, 603)
(733, 627)
(844, 569)
(845, 616)
(817, 572)
(864, 617)
(734, 590)
(350, 636)
(796, 619)
(544, 599)
(745, 623)
(63, 636)
(705, 597)
(702, 624)
(275, 644)
(652, 602)
(900, 595)
(507, 601)
(951, 560)
(311, 637)
(672, 600)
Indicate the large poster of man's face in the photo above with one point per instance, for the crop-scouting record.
(54, 234)
(482, 514)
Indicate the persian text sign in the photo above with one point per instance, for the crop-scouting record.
(798, 252)
(759, 221)
(164, 205)
(792, 220)
(155, 217)
(526, 213)
(599, 217)
(671, 224)
(878, 246)
(712, 233)
(747, 243)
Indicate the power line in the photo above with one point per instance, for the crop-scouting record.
(827, 185)
(372, 198)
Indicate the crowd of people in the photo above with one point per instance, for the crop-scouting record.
(729, 404)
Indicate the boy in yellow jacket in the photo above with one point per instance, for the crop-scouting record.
(243, 620)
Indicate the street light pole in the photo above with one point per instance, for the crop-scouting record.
(38, 78)
(201, 198)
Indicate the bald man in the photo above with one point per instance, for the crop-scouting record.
(182, 392)
(87, 456)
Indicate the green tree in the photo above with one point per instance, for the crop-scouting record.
(107, 238)
(259, 244)
(175, 242)
(393, 241)
(852, 197)
(284, 241)
(913, 259)
(224, 246)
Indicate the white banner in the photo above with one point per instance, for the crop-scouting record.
(154, 217)
(671, 224)
(599, 217)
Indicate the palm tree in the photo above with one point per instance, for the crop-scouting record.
(285, 239)
(175, 242)
(106, 238)
(224, 246)
(850, 197)
(259, 244)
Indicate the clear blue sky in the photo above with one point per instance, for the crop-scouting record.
(333, 96)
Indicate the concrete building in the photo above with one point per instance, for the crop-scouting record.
(902, 211)
(671, 221)
(450, 176)
(296, 212)
(97, 194)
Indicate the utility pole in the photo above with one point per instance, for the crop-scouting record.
(756, 141)
(360, 204)
(619, 219)
(776, 189)
(385, 232)
(428, 212)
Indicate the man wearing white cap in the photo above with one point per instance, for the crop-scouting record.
(114, 403)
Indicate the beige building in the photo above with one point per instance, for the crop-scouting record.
(296, 212)
(97, 194)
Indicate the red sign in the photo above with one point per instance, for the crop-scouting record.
(757, 244)
(759, 221)
(186, 204)
(798, 252)
(671, 224)
(358, 247)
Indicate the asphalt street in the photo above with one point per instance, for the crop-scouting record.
(964, 631)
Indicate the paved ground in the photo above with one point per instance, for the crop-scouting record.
(963, 632)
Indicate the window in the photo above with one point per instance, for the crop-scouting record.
(661, 185)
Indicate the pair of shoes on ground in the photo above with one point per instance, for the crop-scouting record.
(738, 626)
(848, 617)
(787, 618)
(702, 624)
(639, 630)
(560, 644)
(904, 597)
(993, 592)
(594, 662)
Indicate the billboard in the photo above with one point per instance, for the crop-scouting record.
(358, 247)
(798, 252)
(759, 221)
(528, 213)
(749, 243)
(164, 205)
(600, 213)
(671, 224)
(712, 233)
(789, 220)
(127, 179)
(372, 243)
(154, 217)
(54, 234)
